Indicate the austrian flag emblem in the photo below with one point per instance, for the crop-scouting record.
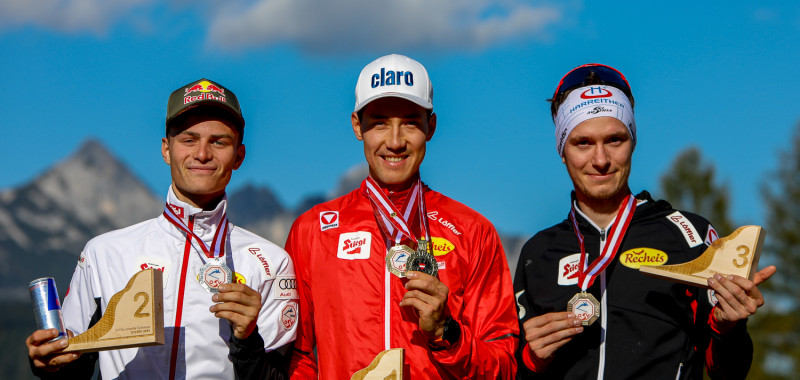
(328, 220)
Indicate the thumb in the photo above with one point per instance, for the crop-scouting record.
(764, 274)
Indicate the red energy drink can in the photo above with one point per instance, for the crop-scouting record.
(46, 307)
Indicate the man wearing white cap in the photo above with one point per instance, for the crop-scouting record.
(585, 310)
(395, 264)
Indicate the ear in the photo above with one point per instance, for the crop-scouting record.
(431, 127)
(165, 150)
(240, 152)
(356, 126)
(563, 160)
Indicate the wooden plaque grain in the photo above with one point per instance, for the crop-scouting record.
(134, 317)
(735, 254)
(388, 365)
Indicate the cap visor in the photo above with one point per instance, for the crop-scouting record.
(415, 99)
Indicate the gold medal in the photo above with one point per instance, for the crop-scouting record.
(585, 307)
(397, 258)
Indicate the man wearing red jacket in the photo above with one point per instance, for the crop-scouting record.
(452, 311)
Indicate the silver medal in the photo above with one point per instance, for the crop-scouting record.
(213, 274)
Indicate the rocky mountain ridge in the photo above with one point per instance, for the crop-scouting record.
(44, 224)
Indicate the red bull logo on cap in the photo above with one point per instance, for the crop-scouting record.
(205, 86)
(206, 90)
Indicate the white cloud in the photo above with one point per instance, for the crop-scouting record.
(312, 25)
(367, 25)
(94, 16)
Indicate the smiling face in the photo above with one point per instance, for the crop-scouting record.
(598, 158)
(202, 158)
(395, 132)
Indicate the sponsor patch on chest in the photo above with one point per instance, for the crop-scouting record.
(157, 263)
(568, 269)
(354, 245)
(441, 246)
(686, 228)
(328, 220)
(638, 257)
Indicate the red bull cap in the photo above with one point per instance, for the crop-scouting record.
(202, 94)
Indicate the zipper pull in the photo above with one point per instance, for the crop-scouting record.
(603, 234)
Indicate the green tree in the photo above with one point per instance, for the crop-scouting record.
(690, 185)
(776, 329)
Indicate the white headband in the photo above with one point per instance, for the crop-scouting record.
(588, 103)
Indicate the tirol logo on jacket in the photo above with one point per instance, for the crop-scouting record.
(637, 257)
(354, 245)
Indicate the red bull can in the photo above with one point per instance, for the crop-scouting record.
(46, 307)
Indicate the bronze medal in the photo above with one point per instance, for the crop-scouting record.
(585, 307)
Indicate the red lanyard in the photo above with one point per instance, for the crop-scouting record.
(217, 248)
(394, 223)
(587, 274)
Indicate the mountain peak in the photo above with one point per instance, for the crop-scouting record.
(93, 185)
(92, 153)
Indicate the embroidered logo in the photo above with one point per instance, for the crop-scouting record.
(434, 216)
(178, 210)
(711, 235)
(289, 315)
(441, 246)
(568, 269)
(285, 288)
(159, 264)
(328, 220)
(686, 227)
(82, 260)
(637, 257)
(262, 259)
(354, 245)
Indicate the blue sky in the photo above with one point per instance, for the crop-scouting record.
(719, 75)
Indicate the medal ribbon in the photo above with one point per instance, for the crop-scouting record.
(393, 222)
(217, 248)
(588, 273)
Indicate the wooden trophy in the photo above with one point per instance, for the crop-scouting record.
(134, 317)
(736, 254)
(388, 365)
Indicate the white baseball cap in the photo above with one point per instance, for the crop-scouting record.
(394, 75)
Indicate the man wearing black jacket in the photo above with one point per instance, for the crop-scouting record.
(585, 310)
